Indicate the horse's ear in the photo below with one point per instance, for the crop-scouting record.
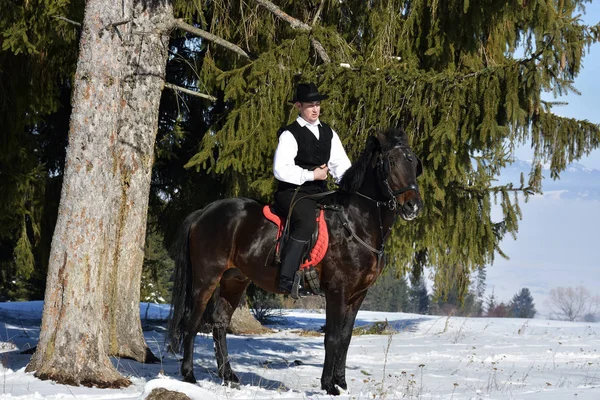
(373, 143)
(382, 139)
(373, 148)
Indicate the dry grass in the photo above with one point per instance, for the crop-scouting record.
(308, 333)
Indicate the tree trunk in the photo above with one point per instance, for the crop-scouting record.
(97, 247)
(146, 51)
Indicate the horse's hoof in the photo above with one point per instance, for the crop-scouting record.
(334, 391)
(229, 376)
(232, 385)
(331, 389)
(150, 358)
(342, 383)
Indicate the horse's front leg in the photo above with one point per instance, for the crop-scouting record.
(339, 367)
(333, 340)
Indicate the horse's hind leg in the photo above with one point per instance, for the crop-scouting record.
(203, 293)
(226, 299)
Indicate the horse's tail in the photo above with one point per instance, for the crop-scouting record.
(182, 281)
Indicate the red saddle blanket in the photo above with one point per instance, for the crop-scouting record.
(319, 249)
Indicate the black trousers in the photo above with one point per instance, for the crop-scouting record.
(302, 220)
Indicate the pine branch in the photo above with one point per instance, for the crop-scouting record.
(296, 24)
(68, 20)
(190, 92)
(320, 50)
(210, 37)
(319, 11)
(528, 190)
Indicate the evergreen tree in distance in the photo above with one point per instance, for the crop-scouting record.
(522, 305)
(418, 296)
(389, 293)
(490, 305)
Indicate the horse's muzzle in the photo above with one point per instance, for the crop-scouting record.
(411, 208)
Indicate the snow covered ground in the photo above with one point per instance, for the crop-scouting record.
(429, 358)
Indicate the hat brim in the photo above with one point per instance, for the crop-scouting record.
(310, 98)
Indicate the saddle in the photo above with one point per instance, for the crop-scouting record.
(317, 245)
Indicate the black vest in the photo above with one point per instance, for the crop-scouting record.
(312, 153)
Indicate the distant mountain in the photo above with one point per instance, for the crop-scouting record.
(577, 181)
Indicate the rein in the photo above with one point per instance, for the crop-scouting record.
(379, 252)
(392, 204)
(345, 223)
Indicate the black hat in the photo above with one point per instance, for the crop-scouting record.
(308, 92)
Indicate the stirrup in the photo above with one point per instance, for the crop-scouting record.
(299, 291)
(311, 277)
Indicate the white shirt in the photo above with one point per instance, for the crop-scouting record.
(286, 170)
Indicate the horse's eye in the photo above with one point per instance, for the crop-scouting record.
(408, 156)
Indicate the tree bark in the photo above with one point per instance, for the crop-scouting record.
(97, 248)
(146, 51)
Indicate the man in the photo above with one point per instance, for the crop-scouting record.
(308, 150)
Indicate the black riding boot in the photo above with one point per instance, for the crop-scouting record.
(292, 256)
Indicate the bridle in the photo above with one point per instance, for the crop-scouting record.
(383, 171)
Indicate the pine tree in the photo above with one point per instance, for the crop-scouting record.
(499, 311)
(389, 293)
(478, 291)
(490, 304)
(522, 305)
(37, 56)
(445, 71)
(419, 297)
(157, 270)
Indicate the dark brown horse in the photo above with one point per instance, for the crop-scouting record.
(224, 246)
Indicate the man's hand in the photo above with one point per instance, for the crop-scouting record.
(321, 173)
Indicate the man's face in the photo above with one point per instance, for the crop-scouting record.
(309, 111)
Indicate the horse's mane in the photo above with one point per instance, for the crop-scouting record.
(355, 175)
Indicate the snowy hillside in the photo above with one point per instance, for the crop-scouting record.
(557, 240)
(577, 181)
(429, 358)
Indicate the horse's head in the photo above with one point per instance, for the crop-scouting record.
(398, 168)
